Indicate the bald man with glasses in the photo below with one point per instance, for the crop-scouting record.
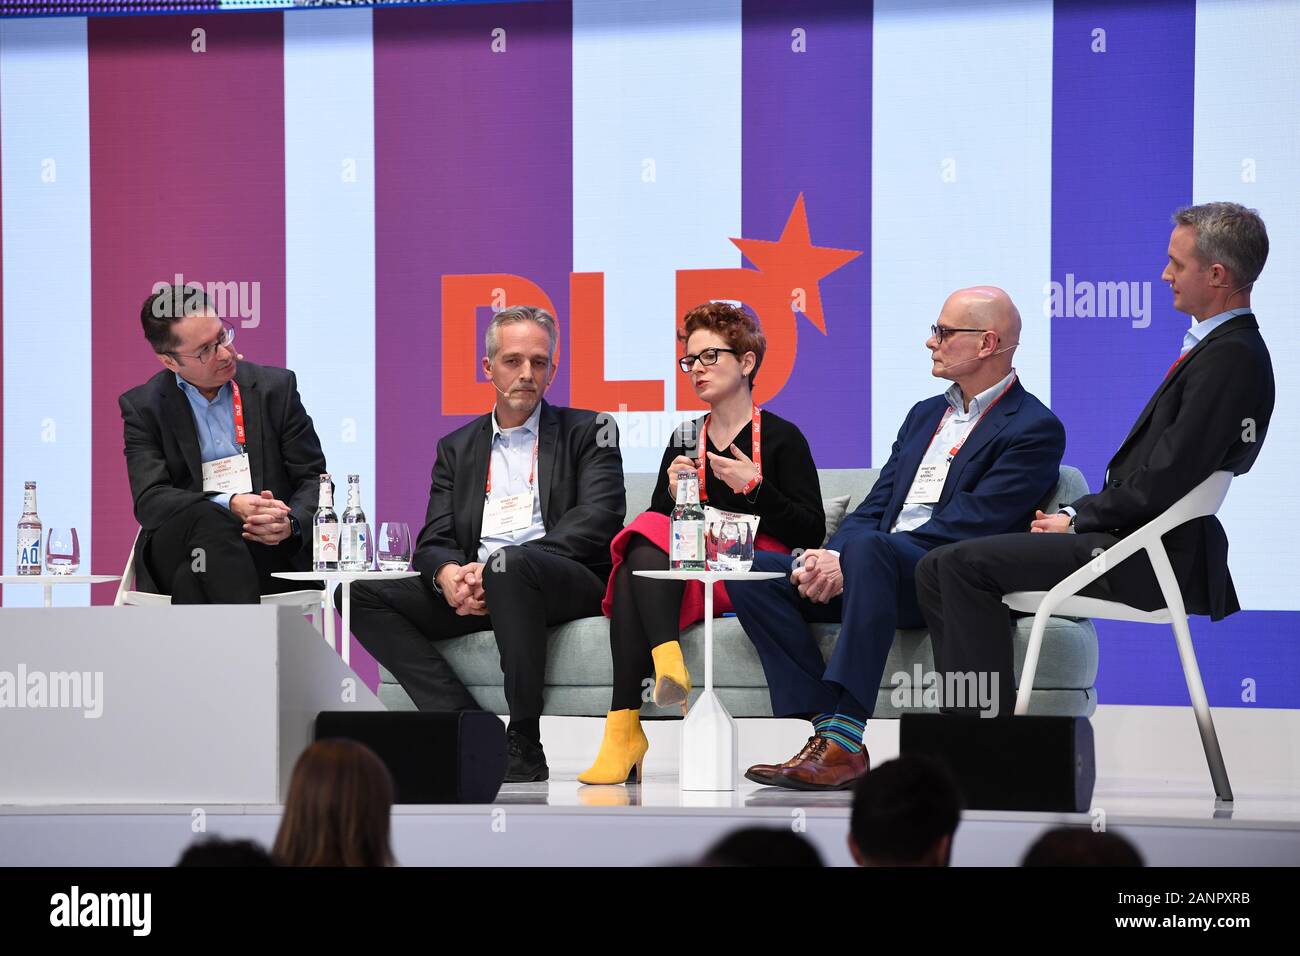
(973, 461)
(223, 460)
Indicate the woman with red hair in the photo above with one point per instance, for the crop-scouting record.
(749, 461)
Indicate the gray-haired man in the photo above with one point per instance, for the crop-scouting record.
(524, 503)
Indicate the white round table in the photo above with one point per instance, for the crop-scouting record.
(49, 580)
(344, 578)
(708, 751)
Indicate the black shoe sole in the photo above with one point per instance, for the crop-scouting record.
(537, 776)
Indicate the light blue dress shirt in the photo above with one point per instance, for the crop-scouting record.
(512, 460)
(1199, 330)
(215, 423)
(956, 427)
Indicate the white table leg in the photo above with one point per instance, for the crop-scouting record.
(708, 636)
(329, 614)
(708, 755)
(49, 595)
(346, 637)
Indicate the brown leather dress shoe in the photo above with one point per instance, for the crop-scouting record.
(822, 765)
(767, 773)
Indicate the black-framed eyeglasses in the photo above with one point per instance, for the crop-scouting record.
(225, 338)
(941, 332)
(707, 357)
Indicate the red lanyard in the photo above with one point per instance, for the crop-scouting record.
(952, 452)
(531, 471)
(239, 414)
(1176, 361)
(757, 450)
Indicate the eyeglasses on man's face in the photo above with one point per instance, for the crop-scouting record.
(707, 357)
(226, 337)
(940, 332)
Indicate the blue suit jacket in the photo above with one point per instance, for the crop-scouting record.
(1006, 468)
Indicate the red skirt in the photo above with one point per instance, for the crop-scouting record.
(655, 528)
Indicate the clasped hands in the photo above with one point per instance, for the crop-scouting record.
(266, 519)
(462, 586)
(820, 578)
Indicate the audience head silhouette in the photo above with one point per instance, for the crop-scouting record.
(905, 813)
(338, 808)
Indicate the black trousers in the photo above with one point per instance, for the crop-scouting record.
(960, 586)
(198, 556)
(645, 614)
(528, 590)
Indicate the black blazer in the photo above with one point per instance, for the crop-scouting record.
(165, 471)
(579, 478)
(1198, 422)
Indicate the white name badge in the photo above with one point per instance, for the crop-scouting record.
(927, 486)
(508, 514)
(232, 474)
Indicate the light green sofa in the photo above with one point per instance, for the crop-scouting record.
(578, 671)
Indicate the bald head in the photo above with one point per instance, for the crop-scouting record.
(983, 331)
(987, 307)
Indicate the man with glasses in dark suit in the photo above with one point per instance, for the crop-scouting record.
(973, 461)
(223, 461)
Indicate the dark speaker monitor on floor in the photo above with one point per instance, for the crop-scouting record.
(434, 758)
(1009, 763)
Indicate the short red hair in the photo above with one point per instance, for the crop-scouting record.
(734, 324)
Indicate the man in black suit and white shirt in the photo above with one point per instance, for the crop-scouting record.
(523, 505)
(1210, 413)
(223, 461)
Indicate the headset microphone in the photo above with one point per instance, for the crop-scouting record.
(948, 368)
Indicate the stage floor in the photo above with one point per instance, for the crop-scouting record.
(1152, 786)
(563, 823)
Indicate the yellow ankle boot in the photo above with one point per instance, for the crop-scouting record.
(672, 683)
(621, 752)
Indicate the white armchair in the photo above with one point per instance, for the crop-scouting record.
(1205, 499)
(309, 600)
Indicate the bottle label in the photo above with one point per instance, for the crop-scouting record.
(687, 541)
(353, 545)
(29, 550)
(327, 542)
(29, 501)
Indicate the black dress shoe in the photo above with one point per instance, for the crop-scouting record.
(525, 759)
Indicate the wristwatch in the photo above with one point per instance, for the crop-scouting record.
(295, 529)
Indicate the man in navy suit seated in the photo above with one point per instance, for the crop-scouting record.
(973, 461)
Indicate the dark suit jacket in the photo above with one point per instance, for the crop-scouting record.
(1195, 424)
(1008, 465)
(579, 478)
(166, 474)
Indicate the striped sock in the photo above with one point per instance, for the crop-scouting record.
(844, 730)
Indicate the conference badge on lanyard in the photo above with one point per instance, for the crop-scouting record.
(232, 474)
(509, 513)
(927, 485)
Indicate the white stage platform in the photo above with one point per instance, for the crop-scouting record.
(1152, 787)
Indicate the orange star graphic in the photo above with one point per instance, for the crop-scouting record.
(795, 263)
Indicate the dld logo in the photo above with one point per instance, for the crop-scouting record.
(784, 284)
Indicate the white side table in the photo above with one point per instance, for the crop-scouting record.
(344, 578)
(49, 580)
(708, 757)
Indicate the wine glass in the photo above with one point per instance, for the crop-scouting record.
(394, 546)
(62, 551)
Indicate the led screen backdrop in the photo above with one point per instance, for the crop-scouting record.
(361, 188)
